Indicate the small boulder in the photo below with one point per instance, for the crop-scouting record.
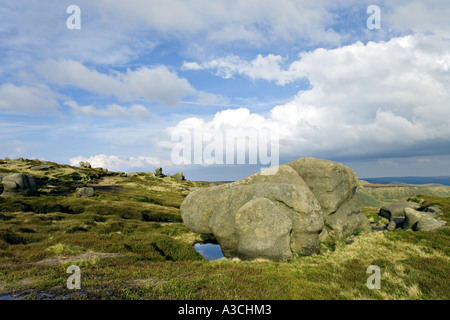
(86, 192)
(429, 224)
(18, 184)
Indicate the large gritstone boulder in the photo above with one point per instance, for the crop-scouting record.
(278, 212)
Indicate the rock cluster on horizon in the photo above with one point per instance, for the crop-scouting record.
(410, 215)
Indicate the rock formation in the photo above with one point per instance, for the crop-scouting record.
(273, 215)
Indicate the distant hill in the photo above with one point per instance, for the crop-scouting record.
(443, 180)
(378, 194)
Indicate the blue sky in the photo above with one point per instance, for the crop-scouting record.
(115, 91)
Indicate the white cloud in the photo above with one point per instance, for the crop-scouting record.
(116, 163)
(27, 98)
(150, 84)
(221, 21)
(364, 99)
(418, 16)
(136, 111)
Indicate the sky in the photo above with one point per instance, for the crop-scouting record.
(140, 84)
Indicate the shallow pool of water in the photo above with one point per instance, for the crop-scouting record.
(210, 251)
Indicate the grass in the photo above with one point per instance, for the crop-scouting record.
(130, 244)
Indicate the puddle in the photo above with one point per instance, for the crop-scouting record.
(210, 251)
(7, 297)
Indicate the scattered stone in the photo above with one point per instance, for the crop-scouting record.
(179, 176)
(18, 184)
(158, 173)
(86, 165)
(285, 209)
(429, 224)
(86, 191)
(391, 226)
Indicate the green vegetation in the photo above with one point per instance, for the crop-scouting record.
(130, 244)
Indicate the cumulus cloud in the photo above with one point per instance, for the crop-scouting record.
(27, 98)
(365, 99)
(116, 163)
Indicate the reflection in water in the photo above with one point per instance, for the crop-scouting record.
(209, 250)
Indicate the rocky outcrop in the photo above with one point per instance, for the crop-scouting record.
(279, 211)
(18, 185)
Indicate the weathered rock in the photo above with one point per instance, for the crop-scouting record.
(334, 185)
(179, 176)
(18, 184)
(86, 192)
(429, 224)
(256, 216)
(396, 211)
